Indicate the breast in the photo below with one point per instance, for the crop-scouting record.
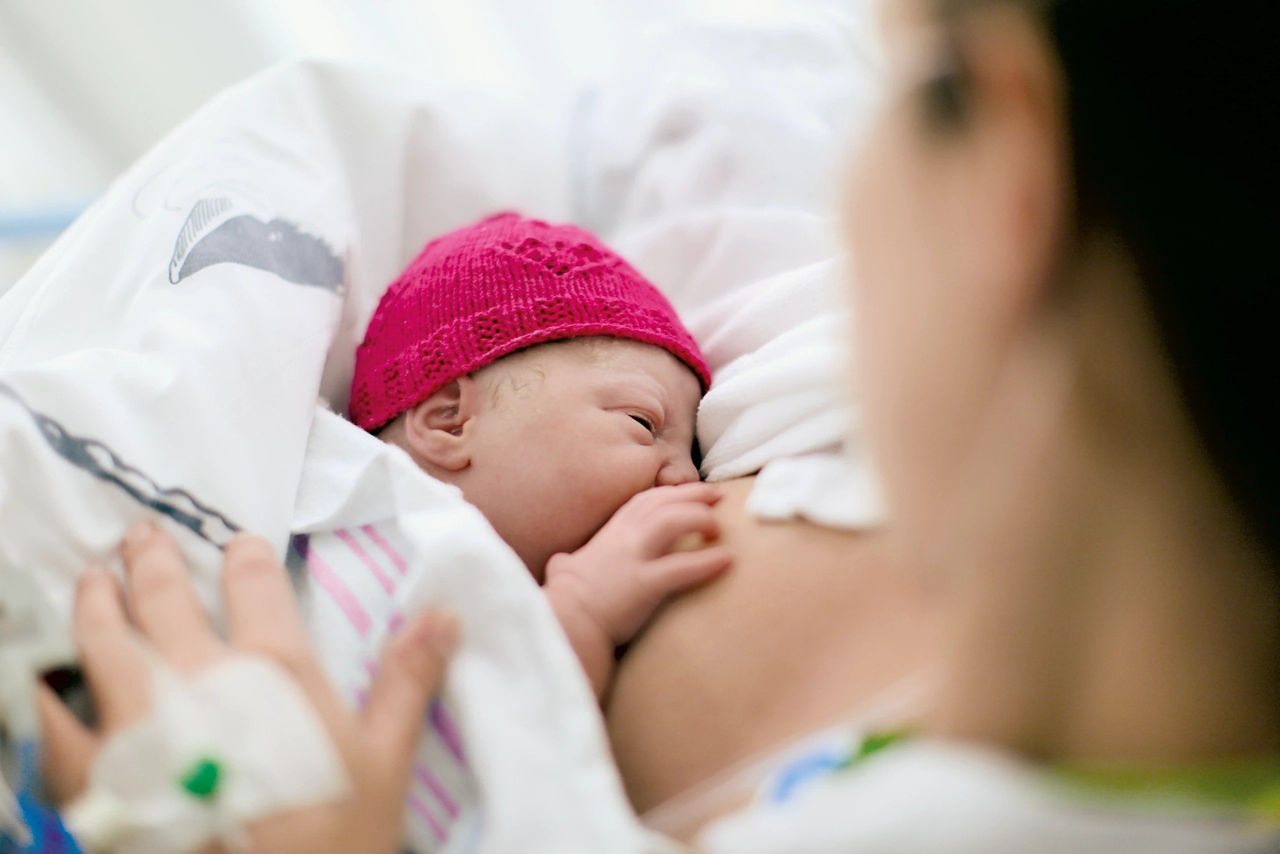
(808, 625)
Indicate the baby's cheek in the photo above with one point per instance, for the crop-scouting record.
(571, 510)
(606, 494)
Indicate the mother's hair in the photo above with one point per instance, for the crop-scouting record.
(1169, 107)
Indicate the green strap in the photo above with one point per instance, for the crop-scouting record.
(872, 744)
(1249, 787)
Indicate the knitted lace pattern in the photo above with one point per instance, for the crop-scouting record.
(489, 289)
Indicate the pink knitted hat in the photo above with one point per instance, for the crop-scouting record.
(502, 284)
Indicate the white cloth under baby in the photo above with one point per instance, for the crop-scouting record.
(827, 489)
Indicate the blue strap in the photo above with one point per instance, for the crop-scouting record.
(803, 770)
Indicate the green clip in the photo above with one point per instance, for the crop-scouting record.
(202, 780)
(871, 745)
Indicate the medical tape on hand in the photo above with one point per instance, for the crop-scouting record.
(232, 743)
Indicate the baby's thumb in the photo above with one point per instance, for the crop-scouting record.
(409, 674)
(682, 570)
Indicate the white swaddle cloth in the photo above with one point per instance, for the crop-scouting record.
(380, 540)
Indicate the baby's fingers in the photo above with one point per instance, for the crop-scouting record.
(658, 497)
(678, 572)
(670, 523)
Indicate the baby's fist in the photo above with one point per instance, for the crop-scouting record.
(644, 553)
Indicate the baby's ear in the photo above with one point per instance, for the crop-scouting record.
(436, 429)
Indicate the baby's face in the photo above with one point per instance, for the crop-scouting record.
(569, 431)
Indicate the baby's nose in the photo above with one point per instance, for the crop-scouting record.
(676, 472)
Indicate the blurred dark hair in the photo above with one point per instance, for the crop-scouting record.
(1171, 106)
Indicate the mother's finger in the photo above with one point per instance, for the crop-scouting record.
(262, 611)
(109, 651)
(410, 671)
(262, 617)
(163, 602)
(68, 748)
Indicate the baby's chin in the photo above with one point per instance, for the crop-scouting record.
(535, 560)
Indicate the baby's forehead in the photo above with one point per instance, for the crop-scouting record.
(619, 361)
(597, 351)
(600, 349)
(619, 354)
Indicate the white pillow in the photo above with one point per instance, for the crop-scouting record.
(720, 181)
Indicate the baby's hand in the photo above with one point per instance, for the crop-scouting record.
(605, 591)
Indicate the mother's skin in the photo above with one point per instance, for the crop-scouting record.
(824, 613)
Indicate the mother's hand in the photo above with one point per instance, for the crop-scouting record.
(160, 609)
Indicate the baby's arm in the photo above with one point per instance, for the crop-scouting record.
(605, 591)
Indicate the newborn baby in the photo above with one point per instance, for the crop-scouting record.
(541, 374)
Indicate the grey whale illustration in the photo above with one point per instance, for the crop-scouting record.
(215, 234)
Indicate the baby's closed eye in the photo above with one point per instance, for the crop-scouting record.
(644, 421)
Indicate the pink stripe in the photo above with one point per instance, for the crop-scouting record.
(362, 697)
(372, 564)
(448, 732)
(395, 623)
(421, 809)
(392, 555)
(345, 599)
(437, 788)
